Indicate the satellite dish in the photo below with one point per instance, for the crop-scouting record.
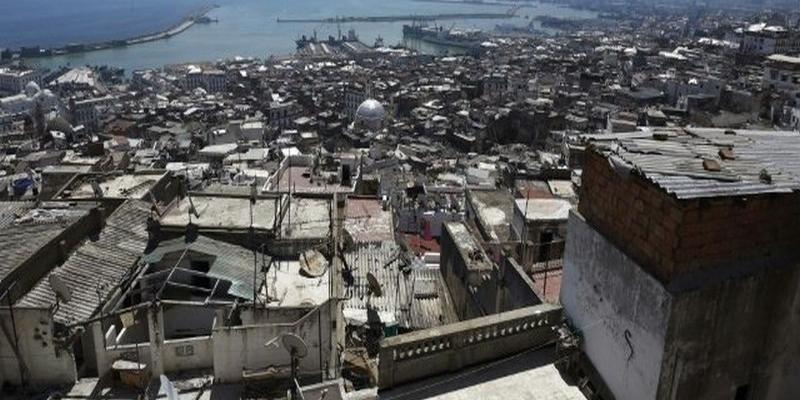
(297, 349)
(374, 285)
(295, 345)
(168, 388)
(63, 293)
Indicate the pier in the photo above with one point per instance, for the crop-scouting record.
(396, 18)
(186, 23)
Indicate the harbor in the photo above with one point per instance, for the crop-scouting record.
(199, 16)
(251, 30)
(397, 18)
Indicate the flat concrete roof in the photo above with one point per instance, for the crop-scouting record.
(302, 182)
(129, 186)
(544, 209)
(223, 212)
(366, 221)
(494, 209)
(287, 288)
(309, 217)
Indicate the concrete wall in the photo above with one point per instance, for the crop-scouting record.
(455, 273)
(448, 348)
(620, 311)
(244, 348)
(182, 321)
(783, 379)
(188, 354)
(517, 290)
(735, 333)
(42, 362)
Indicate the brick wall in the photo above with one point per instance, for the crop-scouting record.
(670, 237)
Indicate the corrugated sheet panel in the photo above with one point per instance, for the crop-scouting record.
(95, 269)
(676, 163)
(232, 263)
(20, 240)
(416, 299)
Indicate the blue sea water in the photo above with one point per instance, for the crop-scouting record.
(245, 27)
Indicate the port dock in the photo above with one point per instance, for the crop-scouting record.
(397, 18)
(198, 16)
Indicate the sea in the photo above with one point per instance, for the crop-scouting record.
(245, 28)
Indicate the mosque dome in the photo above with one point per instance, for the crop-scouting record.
(370, 112)
(32, 88)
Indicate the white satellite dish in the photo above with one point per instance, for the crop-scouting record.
(169, 388)
(294, 345)
(297, 349)
(63, 293)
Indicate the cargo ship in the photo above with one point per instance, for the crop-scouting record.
(467, 39)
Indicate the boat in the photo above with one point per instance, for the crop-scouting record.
(466, 39)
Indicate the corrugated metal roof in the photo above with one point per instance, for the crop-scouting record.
(95, 269)
(676, 163)
(232, 263)
(416, 300)
(24, 230)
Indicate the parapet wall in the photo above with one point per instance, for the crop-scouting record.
(448, 348)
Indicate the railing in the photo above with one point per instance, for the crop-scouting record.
(448, 348)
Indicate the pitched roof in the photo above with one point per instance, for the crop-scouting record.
(24, 230)
(96, 268)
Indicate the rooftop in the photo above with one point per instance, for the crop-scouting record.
(287, 287)
(544, 209)
(530, 375)
(25, 229)
(702, 163)
(127, 186)
(307, 218)
(96, 268)
(494, 209)
(367, 221)
(231, 263)
(220, 212)
(300, 180)
(414, 301)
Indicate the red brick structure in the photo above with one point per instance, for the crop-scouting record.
(671, 237)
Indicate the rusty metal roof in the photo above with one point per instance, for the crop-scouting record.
(749, 162)
(418, 300)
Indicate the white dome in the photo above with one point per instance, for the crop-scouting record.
(32, 88)
(370, 110)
